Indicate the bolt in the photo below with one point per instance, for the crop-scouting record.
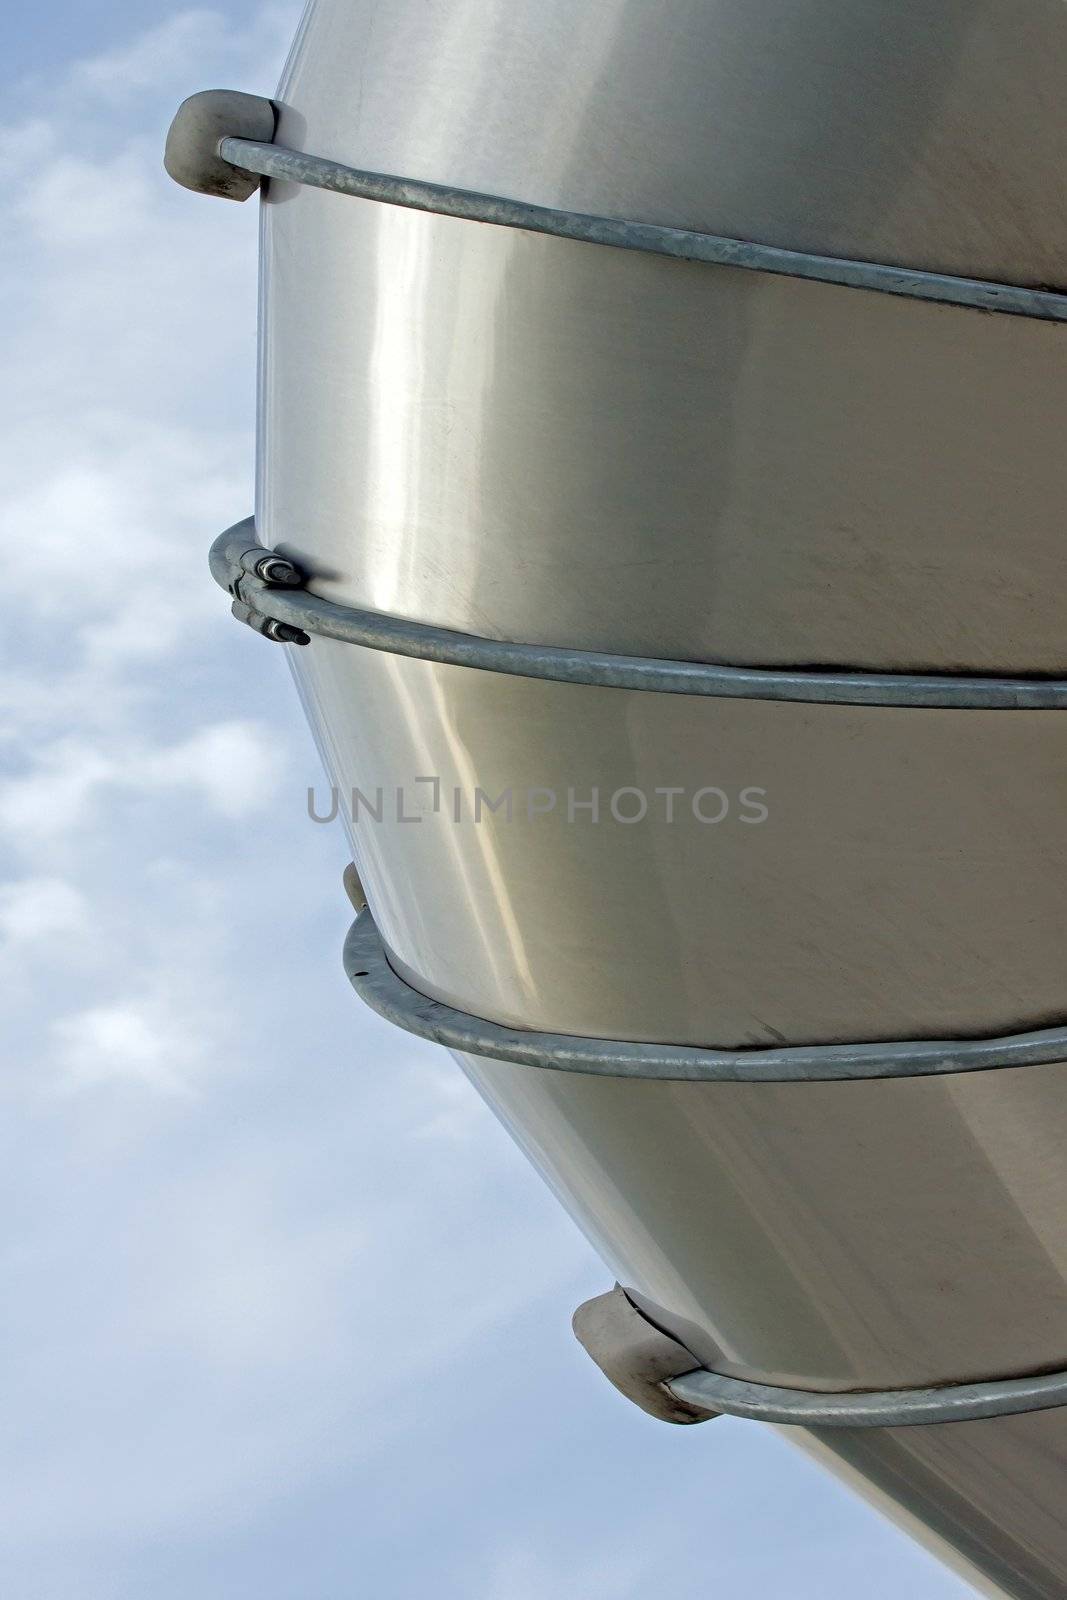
(284, 632)
(276, 569)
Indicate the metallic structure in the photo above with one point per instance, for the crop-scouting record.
(660, 479)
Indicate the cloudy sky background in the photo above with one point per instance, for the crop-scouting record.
(285, 1314)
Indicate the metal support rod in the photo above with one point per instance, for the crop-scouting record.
(375, 630)
(874, 1408)
(663, 1377)
(682, 244)
(381, 987)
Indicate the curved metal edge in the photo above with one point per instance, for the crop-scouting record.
(373, 630)
(884, 1408)
(682, 244)
(227, 555)
(380, 986)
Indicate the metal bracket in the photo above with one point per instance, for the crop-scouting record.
(636, 1356)
(248, 572)
(375, 630)
(192, 156)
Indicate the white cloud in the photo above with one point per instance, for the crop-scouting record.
(39, 908)
(234, 765)
(177, 47)
(54, 795)
(184, 53)
(24, 145)
(128, 1041)
(73, 203)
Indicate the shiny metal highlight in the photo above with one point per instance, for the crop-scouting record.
(682, 244)
(381, 987)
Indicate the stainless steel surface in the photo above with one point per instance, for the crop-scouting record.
(819, 1236)
(890, 130)
(986, 1497)
(835, 1235)
(270, 160)
(381, 987)
(531, 439)
(909, 880)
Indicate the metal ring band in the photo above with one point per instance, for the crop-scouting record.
(375, 630)
(874, 1408)
(682, 244)
(381, 987)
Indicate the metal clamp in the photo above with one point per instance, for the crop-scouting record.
(305, 614)
(377, 983)
(215, 162)
(655, 1371)
(248, 571)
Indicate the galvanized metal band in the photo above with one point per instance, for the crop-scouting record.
(378, 983)
(875, 1408)
(374, 630)
(681, 244)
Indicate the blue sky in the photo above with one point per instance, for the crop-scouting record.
(287, 1316)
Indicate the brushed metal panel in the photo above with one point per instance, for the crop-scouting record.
(909, 881)
(986, 1497)
(819, 1236)
(839, 1236)
(534, 439)
(889, 129)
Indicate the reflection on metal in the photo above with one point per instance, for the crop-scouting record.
(376, 982)
(305, 613)
(275, 161)
(866, 904)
